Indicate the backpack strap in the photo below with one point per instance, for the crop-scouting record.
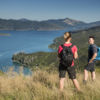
(71, 45)
(59, 55)
(62, 45)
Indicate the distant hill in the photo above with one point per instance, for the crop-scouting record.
(97, 23)
(56, 24)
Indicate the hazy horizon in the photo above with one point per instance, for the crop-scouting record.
(44, 19)
(39, 10)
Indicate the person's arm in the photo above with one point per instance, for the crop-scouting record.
(94, 56)
(75, 52)
(59, 51)
(76, 55)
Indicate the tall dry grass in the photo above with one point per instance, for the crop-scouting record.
(44, 85)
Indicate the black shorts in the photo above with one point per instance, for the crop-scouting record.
(90, 67)
(71, 71)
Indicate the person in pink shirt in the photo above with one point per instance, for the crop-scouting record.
(70, 69)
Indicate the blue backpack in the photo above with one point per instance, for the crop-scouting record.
(98, 54)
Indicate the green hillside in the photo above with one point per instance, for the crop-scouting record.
(80, 39)
(36, 59)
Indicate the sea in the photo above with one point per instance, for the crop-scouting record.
(13, 42)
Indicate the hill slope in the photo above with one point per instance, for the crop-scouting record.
(80, 39)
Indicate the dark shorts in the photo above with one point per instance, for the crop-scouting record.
(71, 72)
(90, 67)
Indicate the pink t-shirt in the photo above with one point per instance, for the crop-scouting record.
(74, 49)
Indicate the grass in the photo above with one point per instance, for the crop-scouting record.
(44, 85)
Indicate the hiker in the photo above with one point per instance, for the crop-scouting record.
(69, 63)
(92, 53)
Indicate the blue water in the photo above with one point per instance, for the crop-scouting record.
(24, 41)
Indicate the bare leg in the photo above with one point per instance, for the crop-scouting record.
(76, 84)
(93, 75)
(61, 83)
(85, 75)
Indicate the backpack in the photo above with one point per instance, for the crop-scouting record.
(98, 54)
(66, 56)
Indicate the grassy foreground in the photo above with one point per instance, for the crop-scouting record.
(44, 85)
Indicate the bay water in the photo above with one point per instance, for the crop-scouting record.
(23, 41)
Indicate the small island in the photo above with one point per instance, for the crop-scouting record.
(5, 34)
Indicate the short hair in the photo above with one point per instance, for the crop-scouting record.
(67, 35)
(92, 37)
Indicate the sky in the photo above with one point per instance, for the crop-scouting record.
(82, 10)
